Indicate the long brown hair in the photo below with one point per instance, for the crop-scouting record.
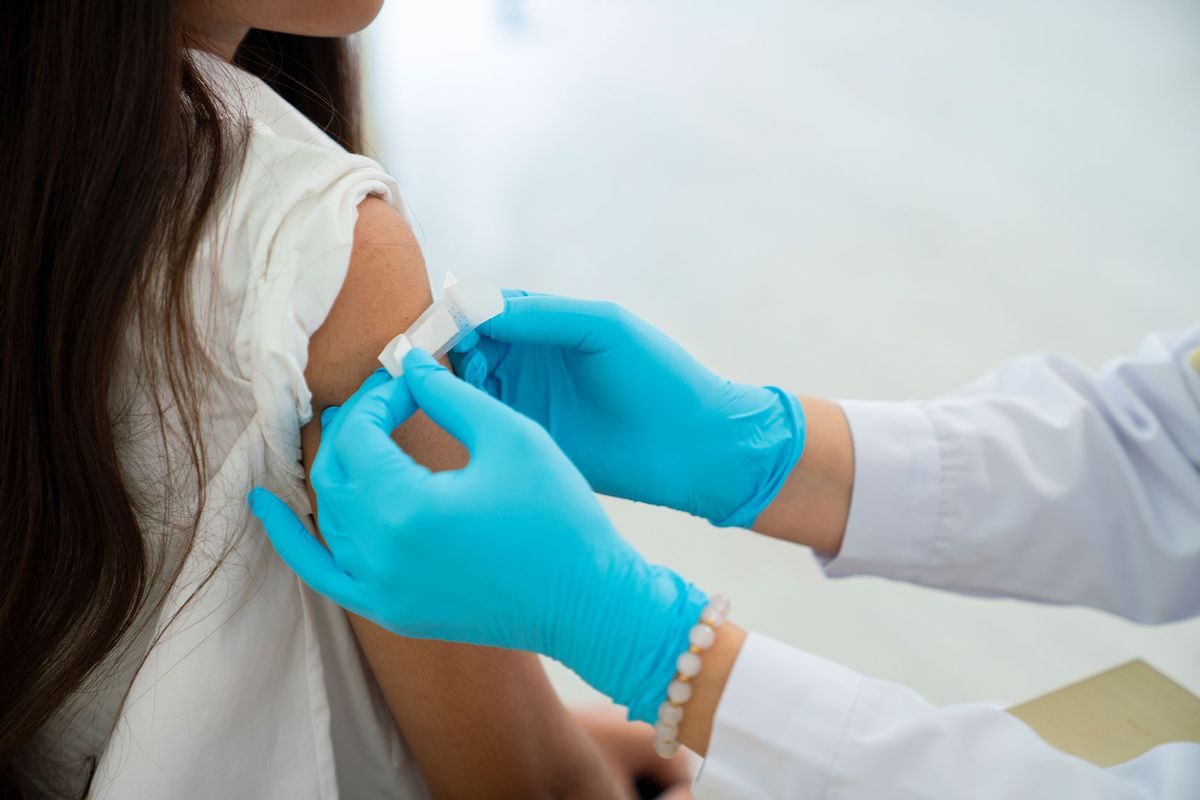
(112, 156)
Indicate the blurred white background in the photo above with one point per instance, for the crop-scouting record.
(869, 199)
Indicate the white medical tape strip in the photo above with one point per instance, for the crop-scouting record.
(465, 306)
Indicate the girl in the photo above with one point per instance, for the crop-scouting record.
(194, 265)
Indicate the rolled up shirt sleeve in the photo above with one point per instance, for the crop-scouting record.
(1042, 480)
(792, 725)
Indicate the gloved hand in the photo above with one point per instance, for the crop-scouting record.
(633, 410)
(511, 551)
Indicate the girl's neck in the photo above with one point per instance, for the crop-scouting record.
(218, 37)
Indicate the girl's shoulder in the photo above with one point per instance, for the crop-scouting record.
(278, 249)
(285, 159)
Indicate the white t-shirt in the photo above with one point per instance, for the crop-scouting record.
(255, 687)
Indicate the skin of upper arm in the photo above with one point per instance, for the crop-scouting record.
(481, 722)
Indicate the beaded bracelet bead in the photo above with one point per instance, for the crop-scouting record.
(687, 666)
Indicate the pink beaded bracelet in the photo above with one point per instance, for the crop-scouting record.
(700, 638)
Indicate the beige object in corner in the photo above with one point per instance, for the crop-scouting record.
(1115, 716)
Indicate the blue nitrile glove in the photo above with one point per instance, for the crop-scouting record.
(511, 551)
(633, 410)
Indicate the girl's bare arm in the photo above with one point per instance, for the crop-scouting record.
(481, 722)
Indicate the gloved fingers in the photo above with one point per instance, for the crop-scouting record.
(325, 467)
(493, 352)
(469, 341)
(509, 294)
(340, 522)
(362, 442)
(470, 365)
(337, 502)
(465, 412)
(307, 557)
(466, 344)
(478, 365)
(557, 321)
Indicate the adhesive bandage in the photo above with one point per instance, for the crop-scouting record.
(464, 306)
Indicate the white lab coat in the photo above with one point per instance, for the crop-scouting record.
(1042, 480)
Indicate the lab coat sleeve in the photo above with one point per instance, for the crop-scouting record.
(1042, 480)
(794, 725)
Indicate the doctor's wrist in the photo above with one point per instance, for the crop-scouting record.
(766, 436)
(695, 730)
(624, 638)
(812, 506)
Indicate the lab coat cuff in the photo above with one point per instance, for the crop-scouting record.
(779, 726)
(895, 503)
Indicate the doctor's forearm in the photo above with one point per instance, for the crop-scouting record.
(699, 712)
(811, 509)
(812, 506)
